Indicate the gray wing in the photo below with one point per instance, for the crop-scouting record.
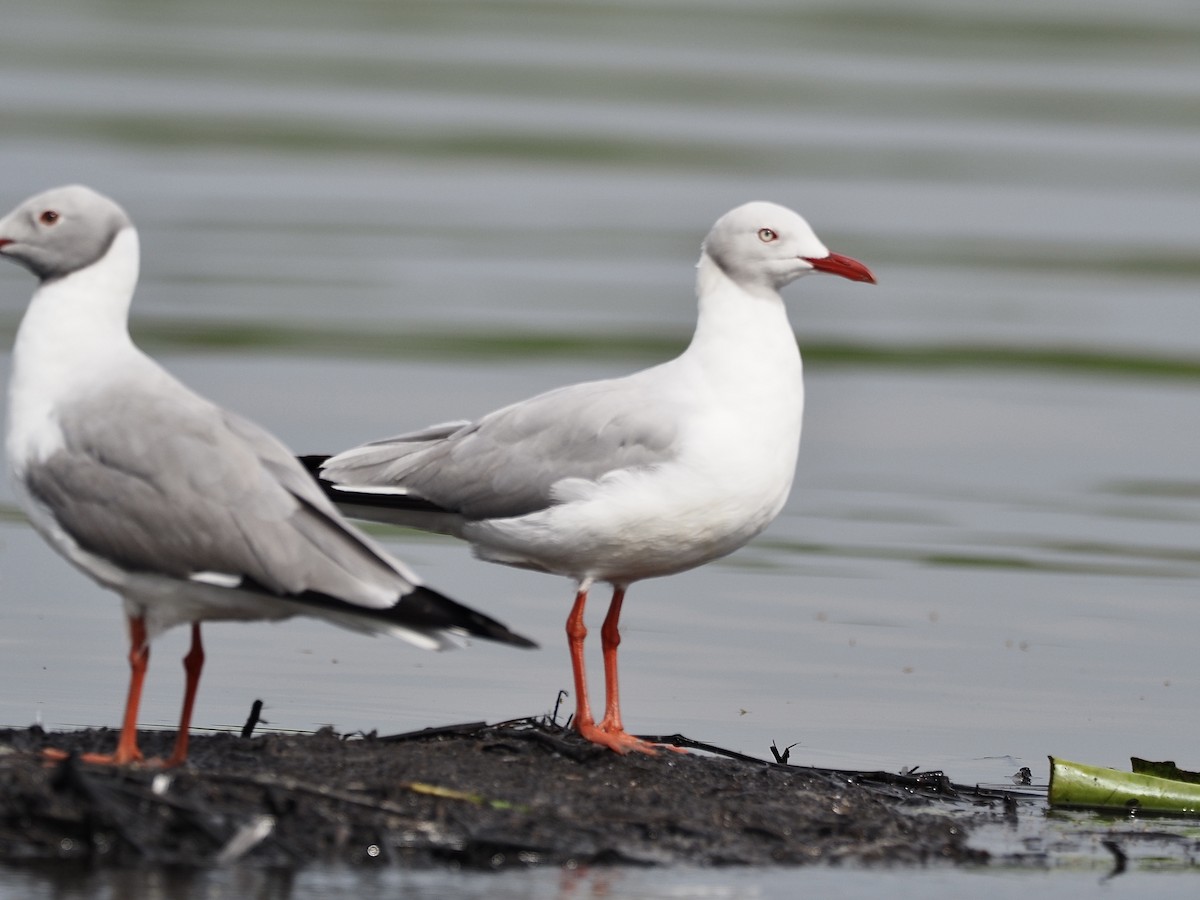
(163, 481)
(508, 462)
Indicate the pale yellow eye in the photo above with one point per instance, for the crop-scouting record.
(766, 235)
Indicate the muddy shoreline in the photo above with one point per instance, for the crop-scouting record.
(478, 796)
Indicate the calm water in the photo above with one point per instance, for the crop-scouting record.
(677, 884)
(360, 218)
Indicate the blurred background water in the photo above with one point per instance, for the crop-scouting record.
(363, 217)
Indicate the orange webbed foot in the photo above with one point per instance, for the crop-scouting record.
(618, 741)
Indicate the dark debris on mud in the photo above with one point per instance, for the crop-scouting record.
(481, 796)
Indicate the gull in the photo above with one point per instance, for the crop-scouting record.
(186, 510)
(628, 478)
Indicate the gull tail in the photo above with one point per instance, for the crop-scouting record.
(422, 616)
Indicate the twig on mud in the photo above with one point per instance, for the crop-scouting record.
(679, 740)
(285, 783)
(529, 730)
(783, 756)
(539, 729)
(252, 720)
(557, 705)
(434, 731)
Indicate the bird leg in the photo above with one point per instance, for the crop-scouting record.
(139, 661)
(576, 634)
(609, 732)
(127, 749)
(192, 665)
(610, 640)
(583, 721)
(127, 752)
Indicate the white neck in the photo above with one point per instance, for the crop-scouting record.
(743, 368)
(74, 334)
(85, 309)
(740, 330)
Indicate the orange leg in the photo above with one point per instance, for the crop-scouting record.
(139, 660)
(583, 721)
(609, 732)
(127, 749)
(193, 663)
(610, 640)
(576, 634)
(127, 752)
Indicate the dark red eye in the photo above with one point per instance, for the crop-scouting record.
(49, 217)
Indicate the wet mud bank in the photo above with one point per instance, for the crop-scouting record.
(515, 794)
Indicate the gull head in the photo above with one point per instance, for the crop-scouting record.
(766, 246)
(61, 231)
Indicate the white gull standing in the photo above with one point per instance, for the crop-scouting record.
(186, 510)
(632, 477)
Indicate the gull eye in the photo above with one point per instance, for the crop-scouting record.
(766, 235)
(49, 217)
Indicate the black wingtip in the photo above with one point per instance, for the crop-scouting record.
(426, 607)
(421, 610)
(362, 501)
(312, 463)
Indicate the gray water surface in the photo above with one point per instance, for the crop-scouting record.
(362, 218)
